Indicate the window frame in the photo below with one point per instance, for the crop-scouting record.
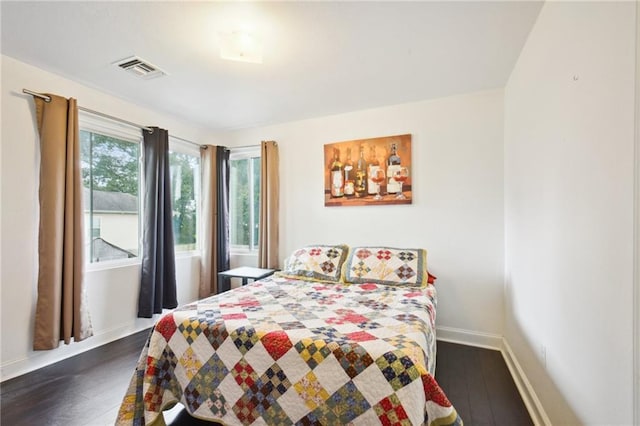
(96, 221)
(246, 153)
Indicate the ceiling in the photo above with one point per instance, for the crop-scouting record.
(319, 58)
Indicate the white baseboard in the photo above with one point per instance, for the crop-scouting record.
(470, 338)
(497, 342)
(39, 359)
(531, 400)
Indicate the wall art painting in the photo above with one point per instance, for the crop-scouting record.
(368, 172)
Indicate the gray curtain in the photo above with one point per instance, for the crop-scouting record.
(61, 307)
(214, 163)
(158, 278)
(222, 195)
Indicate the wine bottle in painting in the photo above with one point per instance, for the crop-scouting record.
(374, 165)
(393, 164)
(337, 175)
(360, 184)
(349, 189)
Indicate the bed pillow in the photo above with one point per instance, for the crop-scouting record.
(386, 265)
(316, 262)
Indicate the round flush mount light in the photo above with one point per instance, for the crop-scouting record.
(240, 46)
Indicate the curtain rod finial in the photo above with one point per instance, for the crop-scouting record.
(46, 98)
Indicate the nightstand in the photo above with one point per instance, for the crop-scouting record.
(246, 273)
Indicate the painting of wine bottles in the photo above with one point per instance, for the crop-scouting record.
(368, 172)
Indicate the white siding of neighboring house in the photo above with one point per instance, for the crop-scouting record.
(120, 229)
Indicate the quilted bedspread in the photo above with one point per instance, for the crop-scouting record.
(283, 352)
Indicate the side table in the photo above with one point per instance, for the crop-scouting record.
(246, 273)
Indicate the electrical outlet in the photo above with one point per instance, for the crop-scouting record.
(543, 355)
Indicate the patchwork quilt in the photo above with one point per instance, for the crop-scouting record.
(287, 352)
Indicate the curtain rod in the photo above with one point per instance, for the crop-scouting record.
(244, 146)
(110, 117)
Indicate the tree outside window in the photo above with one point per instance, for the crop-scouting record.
(244, 202)
(185, 169)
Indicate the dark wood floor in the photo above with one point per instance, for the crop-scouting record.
(88, 388)
(479, 385)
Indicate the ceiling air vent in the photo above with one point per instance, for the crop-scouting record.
(140, 68)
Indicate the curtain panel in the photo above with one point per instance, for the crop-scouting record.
(214, 163)
(268, 241)
(158, 277)
(61, 307)
(222, 198)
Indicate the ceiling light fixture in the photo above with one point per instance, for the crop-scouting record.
(240, 46)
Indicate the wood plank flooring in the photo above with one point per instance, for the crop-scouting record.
(87, 389)
(478, 383)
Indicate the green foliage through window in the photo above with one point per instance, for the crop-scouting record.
(244, 203)
(185, 170)
(109, 164)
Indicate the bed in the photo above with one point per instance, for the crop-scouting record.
(335, 338)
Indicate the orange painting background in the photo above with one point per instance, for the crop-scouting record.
(382, 152)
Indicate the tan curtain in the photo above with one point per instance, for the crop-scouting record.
(268, 244)
(61, 308)
(214, 162)
(214, 166)
(209, 264)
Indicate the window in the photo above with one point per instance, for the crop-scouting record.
(244, 198)
(185, 193)
(111, 162)
(111, 181)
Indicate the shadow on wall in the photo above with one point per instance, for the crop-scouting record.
(556, 407)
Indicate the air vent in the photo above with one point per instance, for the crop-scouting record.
(140, 68)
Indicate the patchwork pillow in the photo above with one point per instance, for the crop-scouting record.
(317, 262)
(385, 265)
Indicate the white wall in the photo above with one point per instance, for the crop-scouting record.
(112, 293)
(569, 171)
(457, 210)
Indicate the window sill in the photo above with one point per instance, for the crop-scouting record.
(124, 263)
(240, 252)
(112, 264)
(188, 253)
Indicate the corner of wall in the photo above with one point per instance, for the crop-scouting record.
(529, 397)
(636, 225)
